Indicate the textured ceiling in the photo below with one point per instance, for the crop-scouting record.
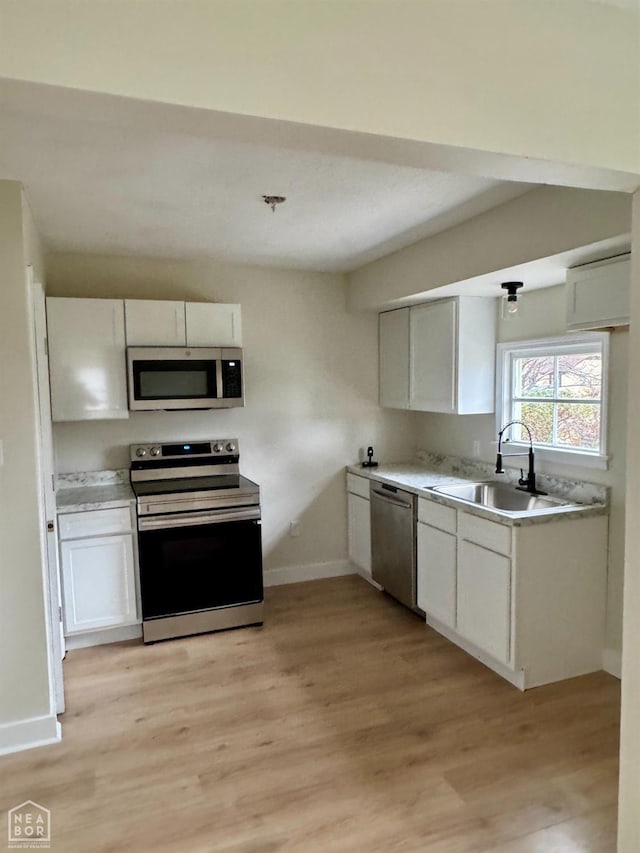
(101, 186)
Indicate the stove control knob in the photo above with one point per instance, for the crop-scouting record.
(155, 451)
(217, 447)
(141, 452)
(231, 447)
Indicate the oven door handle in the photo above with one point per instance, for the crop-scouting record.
(193, 519)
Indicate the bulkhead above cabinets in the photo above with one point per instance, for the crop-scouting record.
(439, 356)
(88, 338)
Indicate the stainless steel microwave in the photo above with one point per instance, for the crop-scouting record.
(184, 378)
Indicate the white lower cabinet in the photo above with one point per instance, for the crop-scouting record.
(98, 571)
(359, 532)
(437, 569)
(528, 600)
(99, 587)
(484, 599)
(359, 522)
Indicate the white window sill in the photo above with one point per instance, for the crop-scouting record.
(552, 454)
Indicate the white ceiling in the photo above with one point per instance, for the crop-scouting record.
(127, 188)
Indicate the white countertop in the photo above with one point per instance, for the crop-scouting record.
(419, 479)
(103, 496)
(408, 475)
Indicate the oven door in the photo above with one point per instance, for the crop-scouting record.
(191, 562)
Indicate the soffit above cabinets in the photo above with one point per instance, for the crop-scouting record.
(543, 272)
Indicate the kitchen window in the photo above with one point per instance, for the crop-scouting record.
(558, 387)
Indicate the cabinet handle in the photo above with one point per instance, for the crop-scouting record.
(388, 499)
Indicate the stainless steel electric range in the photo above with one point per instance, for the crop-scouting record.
(199, 538)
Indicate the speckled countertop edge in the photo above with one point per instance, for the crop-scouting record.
(418, 478)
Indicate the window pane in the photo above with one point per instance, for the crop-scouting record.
(533, 376)
(580, 376)
(579, 425)
(539, 418)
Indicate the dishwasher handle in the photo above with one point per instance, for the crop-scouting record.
(395, 501)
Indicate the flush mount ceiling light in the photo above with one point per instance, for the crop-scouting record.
(273, 200)
(511, 296)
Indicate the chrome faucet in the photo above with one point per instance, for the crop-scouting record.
(528, 483)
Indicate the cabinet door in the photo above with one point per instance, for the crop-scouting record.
(437, 573)
(213, 324)
(359, 532)
(433, 357)
(394, 358)
(484, 599)
(151, 322)
(87, 359)
(98, 583)
(598, 295)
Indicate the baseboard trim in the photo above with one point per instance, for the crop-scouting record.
(612, 662)
(28, 734)
(309, 572)
(100, 638)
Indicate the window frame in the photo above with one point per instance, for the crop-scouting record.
(558, 345)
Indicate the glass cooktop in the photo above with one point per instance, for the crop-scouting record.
(219, 482)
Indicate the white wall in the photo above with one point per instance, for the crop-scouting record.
(542, 314)
(311, 392)
(628, 811)
(496, 75)
(24, 676)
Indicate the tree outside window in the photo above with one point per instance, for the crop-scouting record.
(557, 388)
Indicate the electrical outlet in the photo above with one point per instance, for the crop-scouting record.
(294, 529)
(476, 449)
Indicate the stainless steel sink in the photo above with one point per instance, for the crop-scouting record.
(500, 496)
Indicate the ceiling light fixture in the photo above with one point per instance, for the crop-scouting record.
(511, 296)
(273, 200)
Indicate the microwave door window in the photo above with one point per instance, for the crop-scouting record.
(174, 381)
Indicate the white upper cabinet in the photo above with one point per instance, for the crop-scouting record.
(193, 324)
(598, 294)
(152, 322)
(449, 364)
(213, 324)
(394, 359)
(433, 357)
(87, 359)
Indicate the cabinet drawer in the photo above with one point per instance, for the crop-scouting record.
(358, 485)
(489, 534)
(442, 517)
(96, 522)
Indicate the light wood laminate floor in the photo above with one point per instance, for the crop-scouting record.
(344, 724)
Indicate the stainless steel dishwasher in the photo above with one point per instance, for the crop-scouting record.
(393, 542)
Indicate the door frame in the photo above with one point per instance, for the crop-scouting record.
(56, 648)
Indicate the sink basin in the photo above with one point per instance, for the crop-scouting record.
(500, 496)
